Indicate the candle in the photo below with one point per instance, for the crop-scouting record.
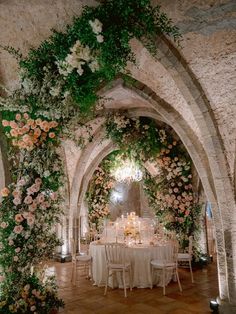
(122, 217)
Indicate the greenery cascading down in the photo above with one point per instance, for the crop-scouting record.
(58, 89)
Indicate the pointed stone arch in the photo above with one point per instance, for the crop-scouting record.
(207, 153)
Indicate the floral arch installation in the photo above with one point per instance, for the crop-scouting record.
(170, 193)
(59, 82)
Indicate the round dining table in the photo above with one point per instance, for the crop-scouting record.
(140, 256)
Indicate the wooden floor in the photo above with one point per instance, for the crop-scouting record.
(87, 299)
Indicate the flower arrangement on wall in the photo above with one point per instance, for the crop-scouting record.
(170, 193)
(59, 82)
(30, 208)
(98, 193)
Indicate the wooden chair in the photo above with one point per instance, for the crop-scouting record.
(80, 262)
(167, 265)
(115, 262)
(187, 257)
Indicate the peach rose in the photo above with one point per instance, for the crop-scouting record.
(38, 121)
(5, 192)
(51, 134)
(46, 129)
(30, 122)
(18, 116)
(37, 132)
(26, 138)
(18, 218)
(44, 124)
(25, 129)
(53, 124)
(13, 124)
(5, 123)
(14, 132)
(26, 116)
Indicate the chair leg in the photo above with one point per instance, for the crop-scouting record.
(152, 274)
(177, 276)
(191, 271)
(124, 283)
(130, 279)
(74, 274)
(164, 281)
(91, 270)
(107, 276)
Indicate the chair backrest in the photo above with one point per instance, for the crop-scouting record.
(190, 245)
(175, 251)
(115, 253)
(73, 247)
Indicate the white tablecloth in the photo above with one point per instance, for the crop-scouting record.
(140, 258)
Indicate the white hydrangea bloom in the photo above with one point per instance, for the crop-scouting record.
(55, 91)
(80, 71)
(94, 66)
(64, 68)
(84, 54)
(96, 26)
(100, 38)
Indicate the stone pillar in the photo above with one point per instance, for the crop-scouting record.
(226, 257)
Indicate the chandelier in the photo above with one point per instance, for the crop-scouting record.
(128, 172)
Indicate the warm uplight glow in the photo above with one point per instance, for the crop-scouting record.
(128, 172)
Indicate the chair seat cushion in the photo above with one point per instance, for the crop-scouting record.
(118, 266)
(83, 258)
(184, 256)
(161, 264)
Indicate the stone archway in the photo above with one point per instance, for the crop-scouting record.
(212, 147)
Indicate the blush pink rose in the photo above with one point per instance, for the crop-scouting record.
(18, 229)
(17, 201)
(4, 225)
(28, 200)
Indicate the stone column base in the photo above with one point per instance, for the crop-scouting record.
(62, 258)
(225, 307)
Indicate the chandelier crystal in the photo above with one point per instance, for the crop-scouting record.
(128, 172)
